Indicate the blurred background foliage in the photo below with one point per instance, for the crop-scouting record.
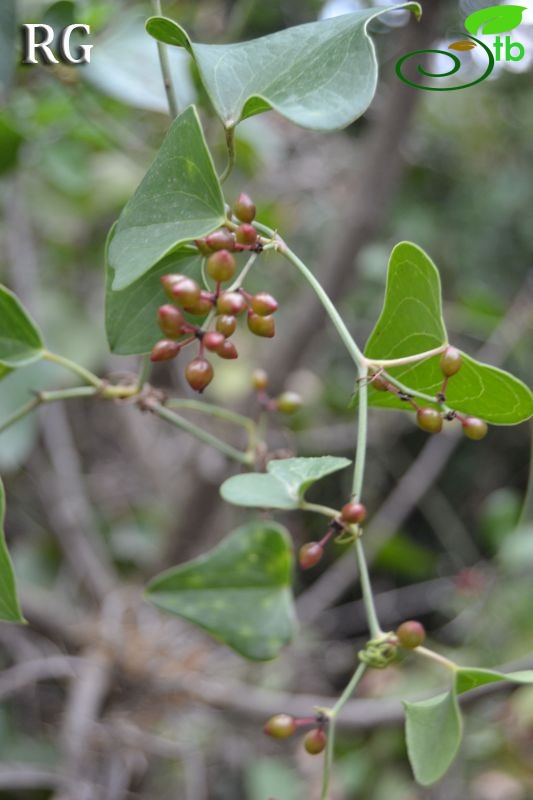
(450, 535)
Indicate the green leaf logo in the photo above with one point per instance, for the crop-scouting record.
(498, 19)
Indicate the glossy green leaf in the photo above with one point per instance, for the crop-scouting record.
(131, 313)
(433, 730)
(284, 483)
(9, 604)
(178, 200)
(467, 678)
(239, 592)
(20, 339)
(411, 322)
(497, 19)
(321, 75)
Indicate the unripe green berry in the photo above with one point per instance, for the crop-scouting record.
(221, 266)
(353, 513)
(202, 305)
(411, 634)
(199, 374)
(310, 554)
(184, 291)
(231, 303)
(212, 340)
(429, 420)
(263, 304)
(203, 247)
(475, 428)
(288, 402)
(164, 350)
(261, 326)
(227, 350)
(226, 324)
(221, 240)
(244, 208)
(246, 234)
(379, 384)
(315, 741)
(280, 726)
(450, 362)
(170, 321)
(259, 380)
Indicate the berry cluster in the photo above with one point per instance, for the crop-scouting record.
(352, 513)
(187, 296)
(287, 402)
(429, 419)
(281, 726)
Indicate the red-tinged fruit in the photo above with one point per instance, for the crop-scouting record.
(221, 266)
(202, 305)
(246, 234)
(315, 741)
(212, 340)
(353, 513)
(450, 362)
(259, 380)
(310, 554)
(261, 326)
(171, 321)
(379, 384)
(411, 634)
(231, 303)
(164, 350)
(227, 350)
(226, 325)
(288, 402)
(263, 304)
(429, 420)
(474, 428)
(280, 726)
(185, 292)
(244, 208)
(221, 240)
(199, 374)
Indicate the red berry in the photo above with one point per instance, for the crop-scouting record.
(429, 420)
(226, 324)
(244, 208)
(379, 384)
(263, 304)
(212, 340)
(261, 326)
(475, 428)
(221, 240)
(227, 350)
(170, 321)
(164, 350)
(450, 362)
(184, 291)
(202, 305)
(289, 402)
(199, 374)
(411, 634)
(246, 234)
(310, 554)
(231, 303)
(280, 726)
(315, 741)
(221, 265)
(259, 380)
(354, 513)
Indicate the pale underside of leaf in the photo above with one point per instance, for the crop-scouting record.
(433, 735)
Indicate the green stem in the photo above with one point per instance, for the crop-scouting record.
(432, 656)
(200, 433)
(230, 144)
(213, 411)
(362, 431)
(413, 392)
(27, 408)
(400, 362)
(326, 511)
(333, 714)
(47, 397)
(77, 369)
(144, 372)
(165, 70)
(366, 589)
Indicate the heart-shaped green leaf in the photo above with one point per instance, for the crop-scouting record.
(321, 75)
(239, 592)
(467, 678)
(9, 604)
(411, 322)
(20, 340)
(498, 19)
(433, 731)
(178, 200)
(284, 483)
(131, 313)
